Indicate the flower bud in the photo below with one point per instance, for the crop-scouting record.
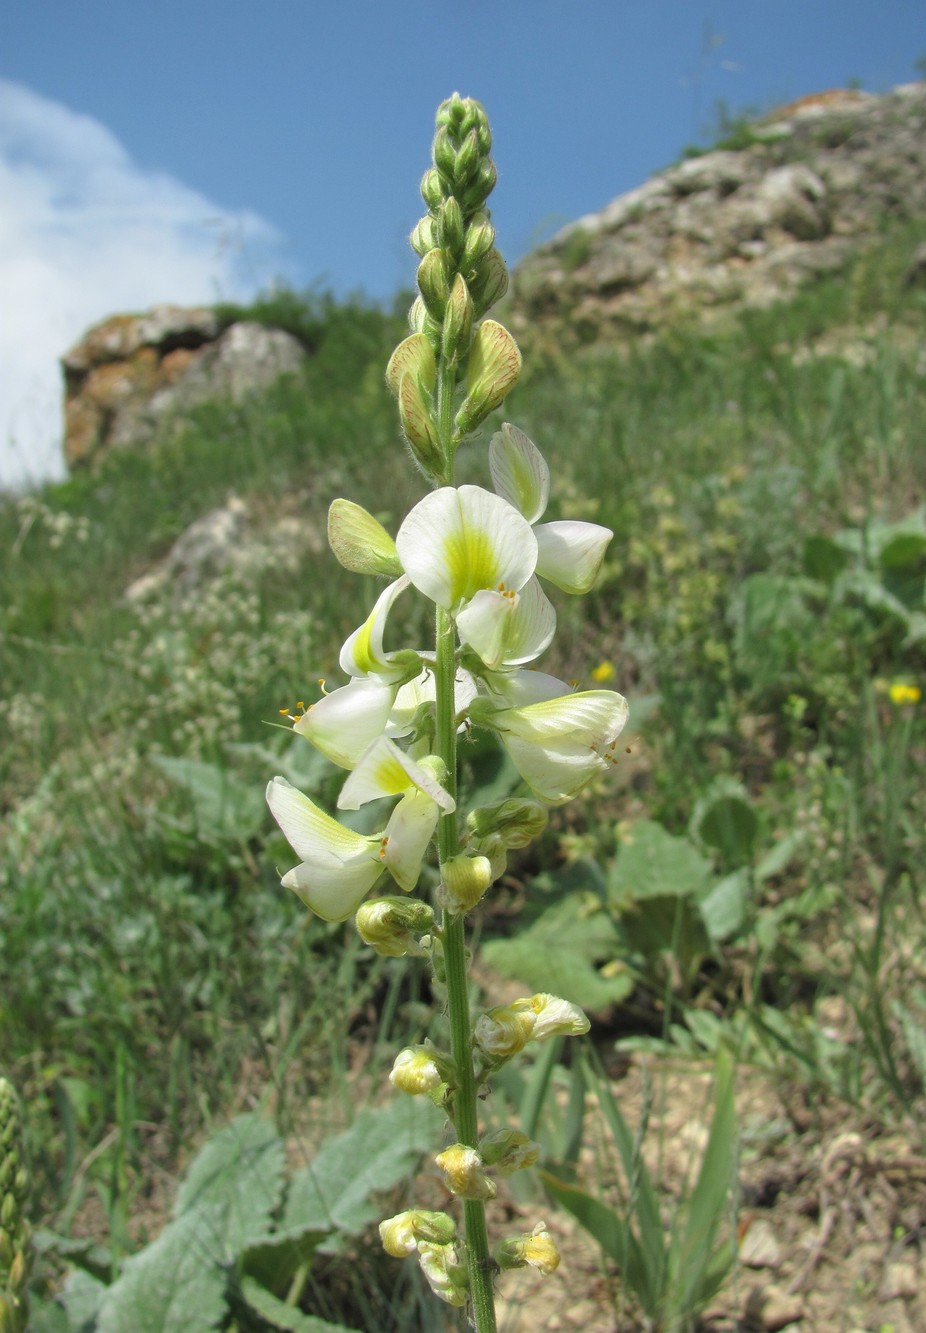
(536, 1248)
(15, 1232)
(462, 1167)
(489, 282)
(517, 822)
(418, 425)
(492, 372)
(464, 879)
(444, 155)
(449, 227)
(389, 925)
(360, 542)
(401, 1234)
(508, 1150)
(434, 283)
(419, 1069)
(413, 356)
(479, 240)
(446, 1275)
(432, 189)
(478, 188)
(503, 1031)
(469, 160)
(458, 321)
(424, 237)
(553, 1017)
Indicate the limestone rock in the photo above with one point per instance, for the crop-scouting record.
(734, 228)
(132, 373)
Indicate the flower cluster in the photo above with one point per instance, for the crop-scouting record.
(479, 555)
(482, 558)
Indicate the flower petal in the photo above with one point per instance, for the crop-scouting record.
(338, 866)
(570, 553)
(456, 542)
(343, 723)
(385, 770)
(362, 653)
(519, 473)
(408, 833)
(558, 745)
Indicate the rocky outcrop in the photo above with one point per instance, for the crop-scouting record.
(130, 374)
(741, 226)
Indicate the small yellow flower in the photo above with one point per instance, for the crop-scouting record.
(902, 695)
(416, 1070)
(403, 1233)
(536, 1249)
(463, 1169)
(603, 672)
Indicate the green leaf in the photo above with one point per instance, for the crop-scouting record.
(240, 1170)
(651, 863)
(824, 558)
(561, 952)
(725, 908)
(381, 1148)
(708, 1204)
(175, 1284)
(274, 1260)
(281, 1316)
(221, 804)
(725, 820)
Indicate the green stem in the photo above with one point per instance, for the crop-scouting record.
(479, 1262)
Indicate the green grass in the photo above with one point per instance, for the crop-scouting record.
(155, 978)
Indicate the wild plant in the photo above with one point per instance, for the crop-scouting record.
(401, 722)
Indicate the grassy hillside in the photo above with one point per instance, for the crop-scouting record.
(755, 873)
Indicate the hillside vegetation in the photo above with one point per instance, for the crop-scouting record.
(752, 878)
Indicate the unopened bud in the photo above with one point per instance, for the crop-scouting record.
(458, 321)
(479, 240)
(444, 155)
(360, 542)
(508, 1150)
(517, 822)
(432, 189)
(492, 372)
(463, 1170)
(413, 356)
(480, 186)
(419, 1069)
(389, 925)
(464, 880)
(553, 1017)
(434, 283)
(401, 1234)
(445, 1274)
(449, 227)
(424, 238)
(489, 282)
(536, 1249)
(418, 425)
(469, 159)
(503, 1031)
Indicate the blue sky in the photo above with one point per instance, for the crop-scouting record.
(191, 149)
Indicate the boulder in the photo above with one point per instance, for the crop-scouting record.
(132, 374)
(736, 227)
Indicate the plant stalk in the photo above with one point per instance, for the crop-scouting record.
(479, 1262)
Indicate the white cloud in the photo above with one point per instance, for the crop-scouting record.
(84, 233)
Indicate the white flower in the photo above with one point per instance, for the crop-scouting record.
(337, 868)
(569, 552)
(557, 743)
(472, 553)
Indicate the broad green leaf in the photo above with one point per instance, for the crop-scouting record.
(726, 821)
(725, 907)
(240, 1170)
(176, 1284)
(285, 1317)
(824, 558)
(668, 923)
(651, 862)
(381, 1148)
(222, 805)
(82, 1296)
(780, 856)
(274, 1260)
(561, 952)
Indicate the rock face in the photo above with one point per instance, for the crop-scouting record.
(736, 227)
(131, 373)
